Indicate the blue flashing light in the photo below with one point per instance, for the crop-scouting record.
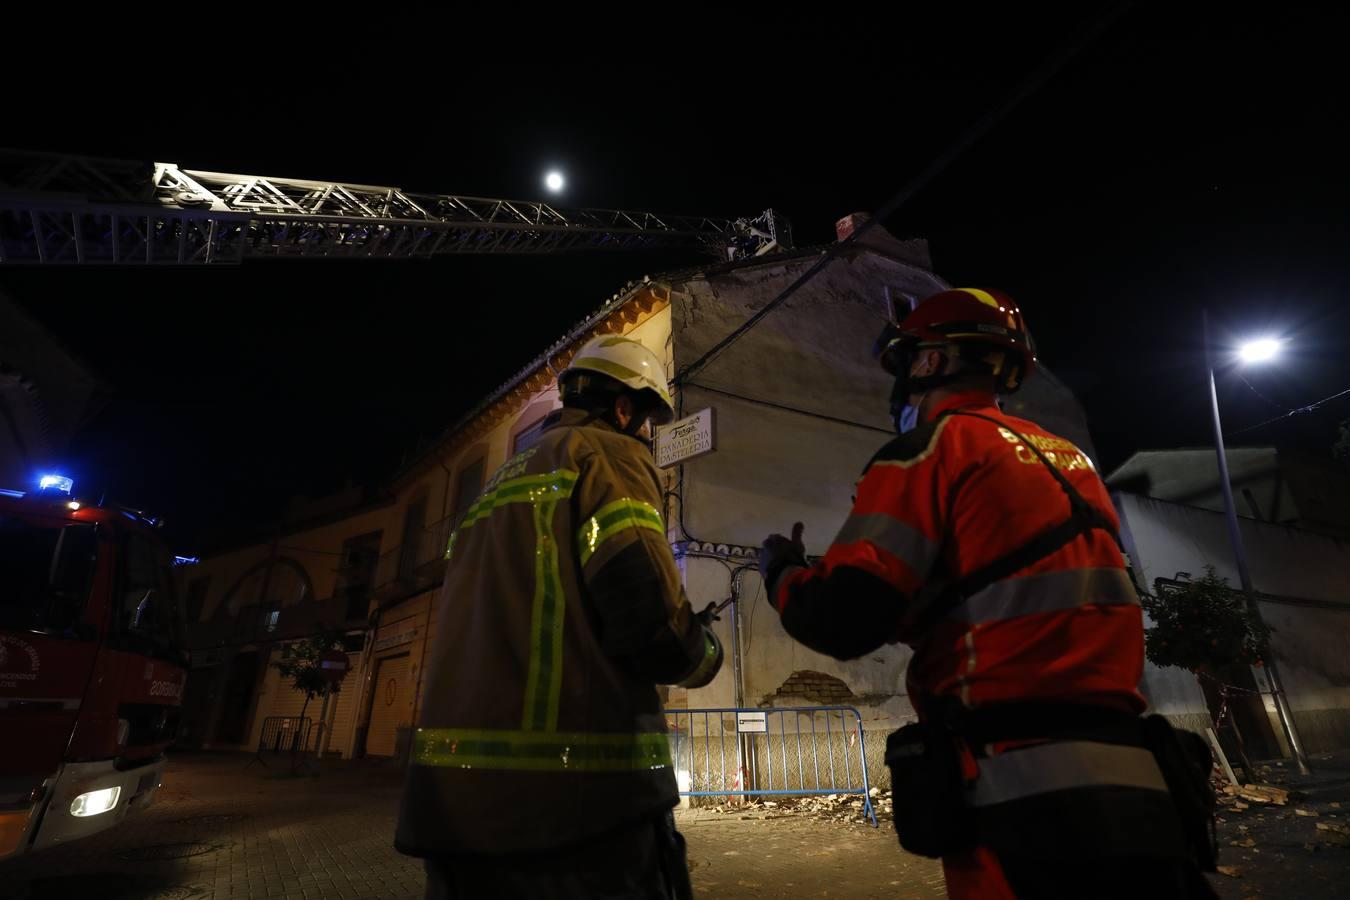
(185, 560)
(56, 483)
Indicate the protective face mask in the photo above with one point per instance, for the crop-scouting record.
(908, 419)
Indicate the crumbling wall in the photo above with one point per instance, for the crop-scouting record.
(801, 408)
(809, 687)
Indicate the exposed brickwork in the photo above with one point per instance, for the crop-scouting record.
(816, 687)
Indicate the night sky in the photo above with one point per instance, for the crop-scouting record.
(1177, 163)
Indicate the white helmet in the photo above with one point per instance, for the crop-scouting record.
(628, 362)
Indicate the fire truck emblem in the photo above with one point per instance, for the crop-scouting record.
(14, 660)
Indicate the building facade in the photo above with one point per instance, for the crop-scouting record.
(1302, 581)
(800, 407)
(1283, 487)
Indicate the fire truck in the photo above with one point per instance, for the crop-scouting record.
(91, 665)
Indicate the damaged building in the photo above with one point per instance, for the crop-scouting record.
(799, 408)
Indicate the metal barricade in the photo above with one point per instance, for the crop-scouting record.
(282, 734)
(783, 751)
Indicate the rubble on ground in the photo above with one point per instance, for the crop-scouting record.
(842, 808)
(1234, 800)
(1241, 797)
(1332, 834)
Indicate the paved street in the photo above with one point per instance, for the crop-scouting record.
(1300, 850)
(220, 830)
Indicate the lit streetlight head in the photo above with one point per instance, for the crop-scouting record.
(1259, 351)
(554, 181)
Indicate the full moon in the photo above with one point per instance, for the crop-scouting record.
(554, 181)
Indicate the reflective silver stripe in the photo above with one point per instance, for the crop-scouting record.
(1048, 592)
(63, 702)
(1063, 765)
(902, 541)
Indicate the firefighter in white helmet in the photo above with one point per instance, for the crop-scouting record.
(540, 767)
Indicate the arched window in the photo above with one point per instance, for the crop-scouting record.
(261, 593)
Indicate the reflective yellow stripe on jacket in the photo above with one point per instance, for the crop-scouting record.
(544, 682)
(551, 486)
(613, 519)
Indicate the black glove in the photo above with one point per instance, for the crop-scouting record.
(780, 552)
(708, 616)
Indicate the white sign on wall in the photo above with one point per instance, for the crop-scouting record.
(690, 437)
(393, 639)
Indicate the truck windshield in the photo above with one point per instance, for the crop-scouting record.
(148, 614)
(46, 570)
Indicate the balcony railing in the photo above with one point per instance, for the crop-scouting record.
(414, 565)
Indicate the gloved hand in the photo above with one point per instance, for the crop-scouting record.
(780, 552)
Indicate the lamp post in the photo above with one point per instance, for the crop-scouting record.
(1254, 351)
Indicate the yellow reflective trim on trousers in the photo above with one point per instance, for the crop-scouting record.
(539, 751)
(613, 518)
(543, 684)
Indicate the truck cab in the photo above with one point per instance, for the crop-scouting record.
(91, 666)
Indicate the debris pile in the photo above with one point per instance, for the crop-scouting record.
(843, 808)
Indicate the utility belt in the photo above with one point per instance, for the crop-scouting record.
(940, 811)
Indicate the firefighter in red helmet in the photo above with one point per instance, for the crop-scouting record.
(989, 546)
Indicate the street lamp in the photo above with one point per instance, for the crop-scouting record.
(1252, 352)
(1262, 350)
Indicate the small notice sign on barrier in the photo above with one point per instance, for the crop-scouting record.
(752, 723)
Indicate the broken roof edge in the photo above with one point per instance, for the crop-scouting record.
(612, 307)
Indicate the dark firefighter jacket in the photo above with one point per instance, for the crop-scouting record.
(562, 608)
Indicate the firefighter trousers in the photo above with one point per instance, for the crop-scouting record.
(980, 875)
(639, 861)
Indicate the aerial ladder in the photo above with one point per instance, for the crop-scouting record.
(59, 209)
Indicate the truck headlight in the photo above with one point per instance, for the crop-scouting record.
(94, 803)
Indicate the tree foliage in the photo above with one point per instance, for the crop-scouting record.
(1203, 625)
(303, 665)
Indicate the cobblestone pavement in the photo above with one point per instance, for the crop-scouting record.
(783, 855)
(219, 830)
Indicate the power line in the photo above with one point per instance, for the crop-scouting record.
(792, 409)
(974, 133)
(1293, 412)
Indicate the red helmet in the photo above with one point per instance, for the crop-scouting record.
(976, 320)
